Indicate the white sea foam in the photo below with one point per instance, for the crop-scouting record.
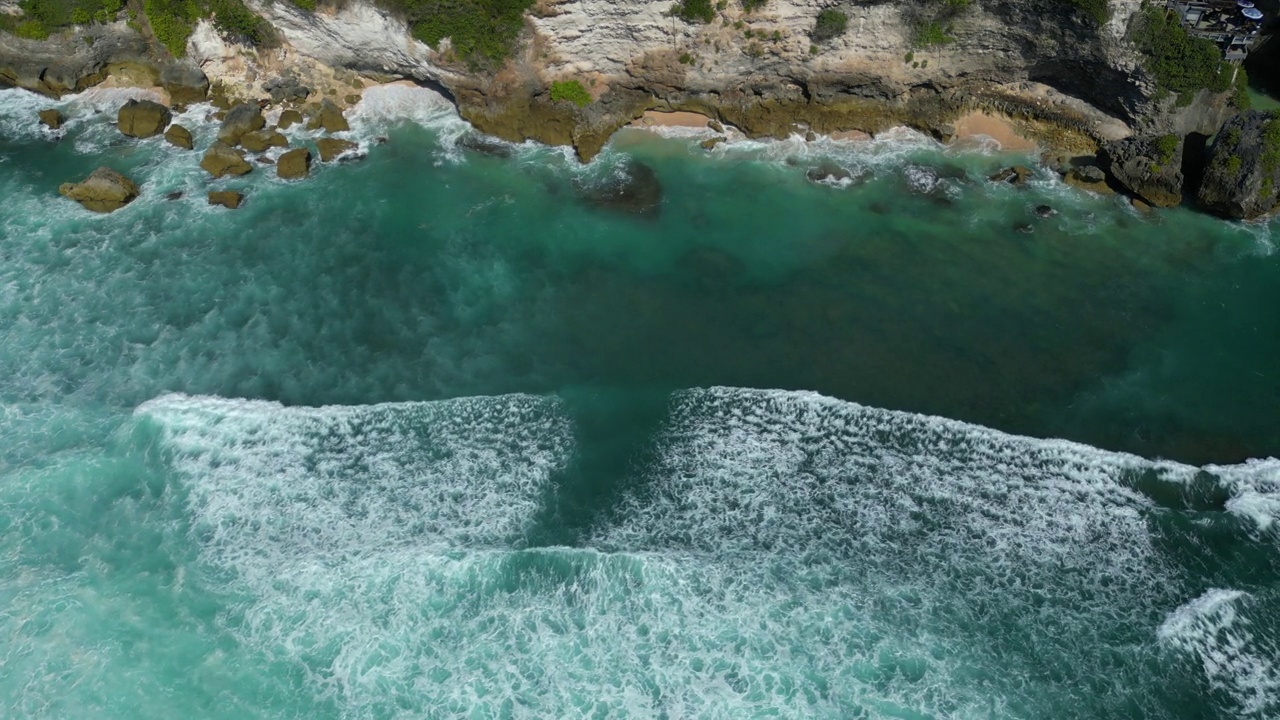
(1215, 629)
(785, 553)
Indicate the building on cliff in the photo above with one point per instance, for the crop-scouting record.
(1235, 26)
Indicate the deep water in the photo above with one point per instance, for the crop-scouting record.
(441, 434)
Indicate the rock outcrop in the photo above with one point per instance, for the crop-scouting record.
(1088, 177)
(221, 160)
(229, 199)
(288, 119)
(143, 118)
(1148, 167)
(294, 164)
(241, 119)
(635, 191)
(1014, 175)
(1242, 179)
(185, 82)
(179, 136)
(329, 118)
(71, 62)
(51, 119)
(105, 190)
(260, 140)
(331, 148)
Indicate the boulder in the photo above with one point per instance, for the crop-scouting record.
(828, 173)
(1045, 212)
(636, 191)
(1088, 177)
(476, 142)
(286, 88)
(103, 191)
(331, 148)
(1015, 175)
(260, 140)
(221, 160)
(143, 118)
(294, 164)
(1242, 179)
(229, 199)
(711, 143)
(715, 126)
(288, 119)
(51, 119)
(185, 83)
(1148, 167)
(329, 117)
(351, 99)
(179, 136)
(241, 119)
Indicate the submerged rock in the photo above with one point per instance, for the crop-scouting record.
(1088, 177)
(1044, 211)
(476, 142)
(240, 120)
(331, 148)
(1149, 167)
(329, 117)
(105, 190)
(260, 140)
(51, 119)
(179, 136)
(294, 164)
(143, 118)
(1015, 175)
(175, 195)
(829, 173)
(711, 143)
(1242, 179)
(288, 119)
(635, 190)
(221, 160)
(229, 199)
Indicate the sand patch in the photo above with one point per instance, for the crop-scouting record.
(977, 125)
(655, 118)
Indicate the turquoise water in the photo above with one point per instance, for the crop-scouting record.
(431, 434)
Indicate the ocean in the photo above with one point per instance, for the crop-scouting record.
(440, 433)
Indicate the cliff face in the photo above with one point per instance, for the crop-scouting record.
(1042, 60)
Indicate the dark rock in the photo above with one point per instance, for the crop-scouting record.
(143, 118)
(260, 140)
(179, 136)
(288, 119)
(635, 191)
(175, 195)
(484, 145)
(51, 119)
(331, 148)
(264, 160)
(294, 164)
(221, 160)
(286, 88)
(105, 190)
(241, 119)
(1015, 175)
(229, 199)
(711, 143)
(380, 140)
(329, 117)
(1044, 211)
(1242, 179)
(185, 83)
(715, 126)
(351, 99)
(1025, 228)
(828, 173)
(1088, 177)
(810, 136)
(1149, 167)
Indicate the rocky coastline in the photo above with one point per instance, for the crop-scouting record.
(1075, 85)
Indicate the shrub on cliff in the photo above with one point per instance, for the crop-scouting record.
(694, 11)
(753, 5)
(41, 17)
(1180, 63)
(1097, 10)
(480, 31)
(236, 21)
(830, 24)
(572, 91)
(172, 22)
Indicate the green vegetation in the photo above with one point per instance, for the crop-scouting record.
(1097, 10)
(572, 91)
(172, 22)
(308, 5)
(830, 24)
(1240, 98)
(931, 34)
(1180, 63)
(686, 59)
(1233, 136)
(1271, 144)
(908, 57)
(1233, 165)
(480, 31)
(753, 5)
(233, 19)
(692, 11)
(41, 17)
(1166, 146)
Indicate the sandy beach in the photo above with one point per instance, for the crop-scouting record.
(977, 125)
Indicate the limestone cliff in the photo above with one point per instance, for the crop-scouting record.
(1071, 79)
